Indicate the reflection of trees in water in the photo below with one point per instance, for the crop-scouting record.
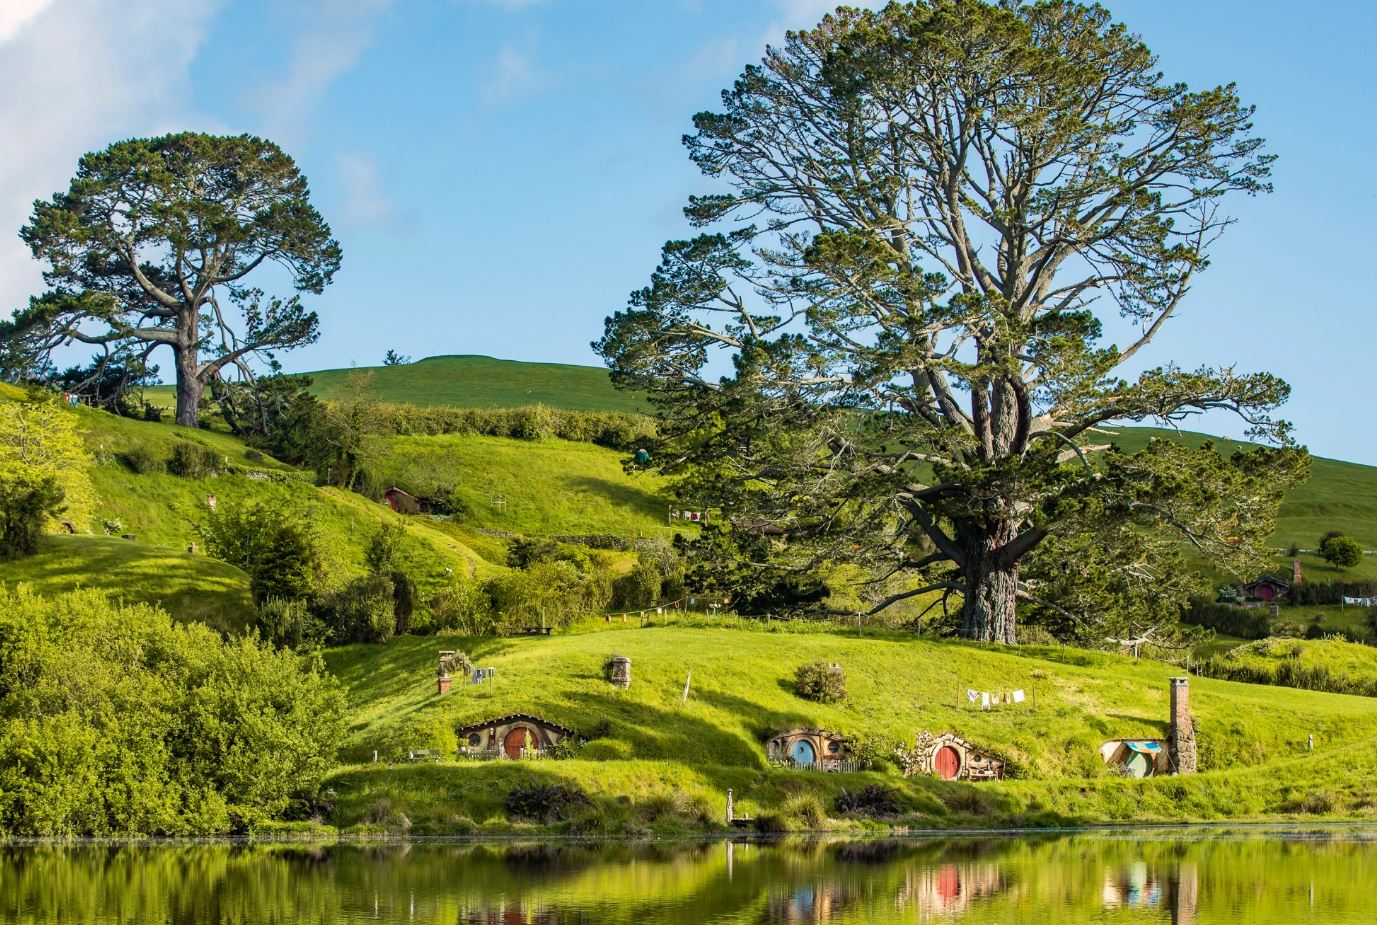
(965, 881)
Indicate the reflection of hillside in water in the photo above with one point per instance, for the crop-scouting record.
(1124, 879)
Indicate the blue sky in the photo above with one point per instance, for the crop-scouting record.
(501, 173)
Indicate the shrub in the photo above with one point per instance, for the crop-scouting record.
(638, 588)
(254, 456)
(276, 551)
(143, 460)
(193, 461)
(1248, 623)
(1342, 552)
(287, 622)
(544, 803)
(172, 730)
(820, 682)
(25, 507)
(873, 801)
(363, 611)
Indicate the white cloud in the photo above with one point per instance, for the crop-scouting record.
(514, 75)
(15, 13)
(334, 34)
(79, 74)
(364, 200)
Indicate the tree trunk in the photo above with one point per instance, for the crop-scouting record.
(189, 387)
(987, 614)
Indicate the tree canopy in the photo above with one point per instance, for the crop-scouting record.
(154, 243)
(888, 344)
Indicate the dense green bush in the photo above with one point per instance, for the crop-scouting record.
(820, 682)
(873, 801)
(276, 550)
(25, 507)
(638, 588)
(289, 622)
(362, 611)
(615, 429)
(545, 803)
(1244, 622)
(193, 461)
(114, 719)
(143, 459)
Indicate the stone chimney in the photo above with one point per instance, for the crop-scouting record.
(1295, 572)
(1181, 736)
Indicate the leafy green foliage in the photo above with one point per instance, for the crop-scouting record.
(364, 610)
(820, 682)
(546, 803)
(115, 720)
(25, 509)
(874, 801)
(193, 461)
(272, 546)
(151, 245)
(923, 215)
(289, 622)
(1342, 551)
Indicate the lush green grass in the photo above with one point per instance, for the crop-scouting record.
(473, 382)
(190, 587)
(741, 693)
(1315, 664)
(550, 486)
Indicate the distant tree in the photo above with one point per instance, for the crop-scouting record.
(1324, 540)
(112, 380)
(926, 211)
(152, 245)
(1342, 552)
(394, 358)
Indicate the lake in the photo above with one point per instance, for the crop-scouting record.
(1260, 877)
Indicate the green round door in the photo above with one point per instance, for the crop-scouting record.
(802, 752)
(1138, 764)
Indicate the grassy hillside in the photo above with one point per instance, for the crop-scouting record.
(1252, 737)
(1338, 496)
(1314, 664)
(549, 486)
(191, 588)
(474, 382)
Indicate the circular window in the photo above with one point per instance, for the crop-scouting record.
(834, 747)
(474, 738)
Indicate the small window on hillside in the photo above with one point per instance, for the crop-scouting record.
(474, 738)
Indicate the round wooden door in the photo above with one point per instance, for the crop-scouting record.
(802, 752)
(515, 741)
(947, 762)
(1138, 764)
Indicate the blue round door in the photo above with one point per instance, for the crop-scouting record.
(802, 752)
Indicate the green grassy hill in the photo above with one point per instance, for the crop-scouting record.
(530, 486)
(1252, 737)
(474, 382)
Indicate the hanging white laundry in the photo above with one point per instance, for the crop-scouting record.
(984, 701)
(1018, 696)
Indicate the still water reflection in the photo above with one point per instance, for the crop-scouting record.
(1292, 877)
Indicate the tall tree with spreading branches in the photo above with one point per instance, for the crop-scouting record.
(153, 244)
(925, 215)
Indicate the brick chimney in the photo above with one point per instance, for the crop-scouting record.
(1181, 736)
(1295, 572)
(445, 682)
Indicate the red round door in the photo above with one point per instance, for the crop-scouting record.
(947, 762)
(516, 741)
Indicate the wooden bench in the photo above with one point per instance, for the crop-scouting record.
(535, 630)
(423, 754)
